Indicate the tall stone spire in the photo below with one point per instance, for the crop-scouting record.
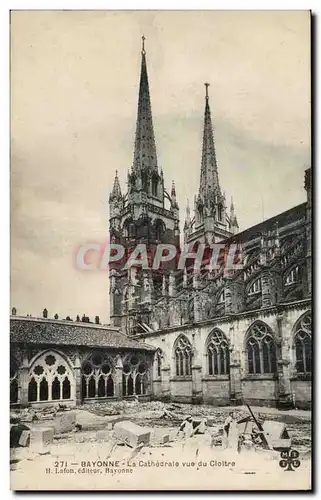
(209, 183)
(145, 148)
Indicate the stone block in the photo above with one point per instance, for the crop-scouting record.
(131, 434)
(24, 438)
(15, 433)
(41, 440)
(165, 439)
(103, 435)
(65, 422)
(114, 420)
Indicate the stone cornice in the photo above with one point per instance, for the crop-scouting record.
(263, 312)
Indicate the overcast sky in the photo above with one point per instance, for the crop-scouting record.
(74, 90)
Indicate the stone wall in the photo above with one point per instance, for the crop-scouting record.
(274, 389)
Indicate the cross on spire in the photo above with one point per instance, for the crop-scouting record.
(143, 45)
(206, 91)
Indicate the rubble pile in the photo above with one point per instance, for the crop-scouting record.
(128, 425)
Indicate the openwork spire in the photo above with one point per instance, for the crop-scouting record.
(209, 182)
(145, 148)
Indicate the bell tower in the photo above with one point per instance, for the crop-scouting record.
(146, 214)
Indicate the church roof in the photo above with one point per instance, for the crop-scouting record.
(46, 331)
(293, 215)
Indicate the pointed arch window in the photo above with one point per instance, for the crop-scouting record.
(303, 344)
(135, 376)
(183, 357)
(260, 350)
(50, 378)
(293, 276)
(14, 381)
(218, 356)
(255, 287)
(219, 212)
(221, 298)
(97, 377)
(158, 363)
(154, 185)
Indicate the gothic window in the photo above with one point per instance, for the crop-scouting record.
(218, 356)
(14, 380)
(303, 344)
(158, 363)
(293, 276)
(154, 185)
(159, 229)
(220, 212)
(255, 287)
(183, 357)
(260, 349)
(221, 298)
(135, 376)
(145, 182)
(97, 377)
(49, 378)
(129, 230)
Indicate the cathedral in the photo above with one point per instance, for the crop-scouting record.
(208, 336)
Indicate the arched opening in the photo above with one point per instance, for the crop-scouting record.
(101, 387)
(32, 390)
(154, 185)
(55, 390)
(83, 388)
(219, 212)
(14, 391)
(218, 355)
(14, 384)
(44, 390)
(261, 349)
(303, 344)
(135, 376)
(50, 378)
(183, 357)
(110, 387)
(66, 389)
(130, 386)
(97, 373)
(91, 388)
(158, 364)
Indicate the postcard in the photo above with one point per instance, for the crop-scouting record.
(161, 219)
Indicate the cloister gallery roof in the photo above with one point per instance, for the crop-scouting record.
(47, 331)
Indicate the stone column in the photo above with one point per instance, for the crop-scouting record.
(283, 393)
(234, 294)
(118, 378)
(24, 379)
(77, 381)
(166, 384)
(235, 371)
(197, 387)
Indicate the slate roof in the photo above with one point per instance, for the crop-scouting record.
(47, 331)
(294, 214)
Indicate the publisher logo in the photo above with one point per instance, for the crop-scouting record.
(289, 460)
